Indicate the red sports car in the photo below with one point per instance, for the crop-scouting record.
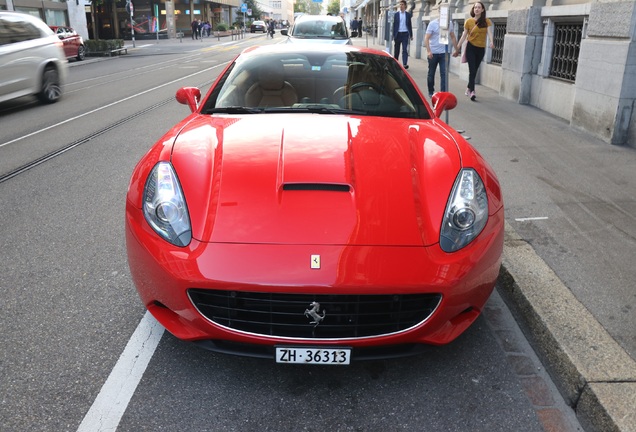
(314, 208)
(73, 42)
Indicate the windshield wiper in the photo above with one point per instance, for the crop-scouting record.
(234, 110)
(310, 108)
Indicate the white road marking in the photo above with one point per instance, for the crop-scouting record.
(111, 402)
(531, 218)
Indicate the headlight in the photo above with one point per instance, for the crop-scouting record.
(164, 205)
(466, 212)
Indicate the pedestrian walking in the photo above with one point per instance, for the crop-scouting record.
(402, 33)
(200, 29)
(195, 29)
(476, 30)
(354, 27)
(359, 27)
(437, 55)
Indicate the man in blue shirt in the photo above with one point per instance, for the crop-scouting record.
(402, 33)
(436, 55)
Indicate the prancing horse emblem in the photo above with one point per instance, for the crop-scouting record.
(314, 313)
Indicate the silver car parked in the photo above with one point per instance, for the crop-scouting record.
(32, 60)
(318, 29)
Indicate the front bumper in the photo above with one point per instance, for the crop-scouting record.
(163, 274)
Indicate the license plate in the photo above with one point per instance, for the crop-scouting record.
(303, 355)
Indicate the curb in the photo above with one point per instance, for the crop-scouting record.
(594, 374)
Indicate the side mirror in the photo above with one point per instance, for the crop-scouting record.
(443, 101)
(190, 96)
(283, 32)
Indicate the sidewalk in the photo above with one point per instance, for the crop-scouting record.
(595, 374)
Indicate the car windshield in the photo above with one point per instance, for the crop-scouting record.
(342, 82)
(321, 29)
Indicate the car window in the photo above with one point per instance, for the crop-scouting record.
(14, 29)
(326, 83)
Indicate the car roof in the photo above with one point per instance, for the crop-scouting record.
(318, 18)
(37, 22)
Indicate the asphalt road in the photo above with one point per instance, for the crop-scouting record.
(73, 349)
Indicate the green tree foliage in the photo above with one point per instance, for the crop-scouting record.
(334, 7)
(308, 7)
(257, 12)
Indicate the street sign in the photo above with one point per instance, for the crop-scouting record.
(443, 17)
(244, 7)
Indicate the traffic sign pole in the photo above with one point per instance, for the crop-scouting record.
(244, 10)
(129, 6)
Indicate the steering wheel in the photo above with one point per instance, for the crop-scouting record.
(361, 84)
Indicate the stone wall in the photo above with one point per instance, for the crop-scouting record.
(602, 100)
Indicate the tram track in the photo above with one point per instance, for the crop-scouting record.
(14, 172)
(42, 159)
(70, 146)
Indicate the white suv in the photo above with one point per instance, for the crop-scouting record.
(32, 60)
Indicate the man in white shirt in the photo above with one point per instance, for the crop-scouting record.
(437, 55)
(402, 33)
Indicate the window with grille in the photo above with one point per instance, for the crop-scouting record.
(499, 31)
(565, 53)
(459, 30)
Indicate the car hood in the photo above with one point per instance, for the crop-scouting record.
(315, 179)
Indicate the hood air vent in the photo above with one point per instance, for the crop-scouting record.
(330, 187)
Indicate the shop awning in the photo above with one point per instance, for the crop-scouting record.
(235, 3)
(361, 5)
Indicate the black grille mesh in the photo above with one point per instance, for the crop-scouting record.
(283, 315)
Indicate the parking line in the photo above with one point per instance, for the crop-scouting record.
(111, 402)
(527, 219)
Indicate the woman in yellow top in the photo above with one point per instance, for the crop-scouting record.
(476, 29)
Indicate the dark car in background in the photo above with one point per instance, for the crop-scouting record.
(258, 26)
(73, 42)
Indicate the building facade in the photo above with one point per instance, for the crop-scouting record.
(53, 12)
(110, 19)
(572, 58)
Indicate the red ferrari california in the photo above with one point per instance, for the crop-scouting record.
(314, 208)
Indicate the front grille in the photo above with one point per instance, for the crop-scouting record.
(283, 315)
